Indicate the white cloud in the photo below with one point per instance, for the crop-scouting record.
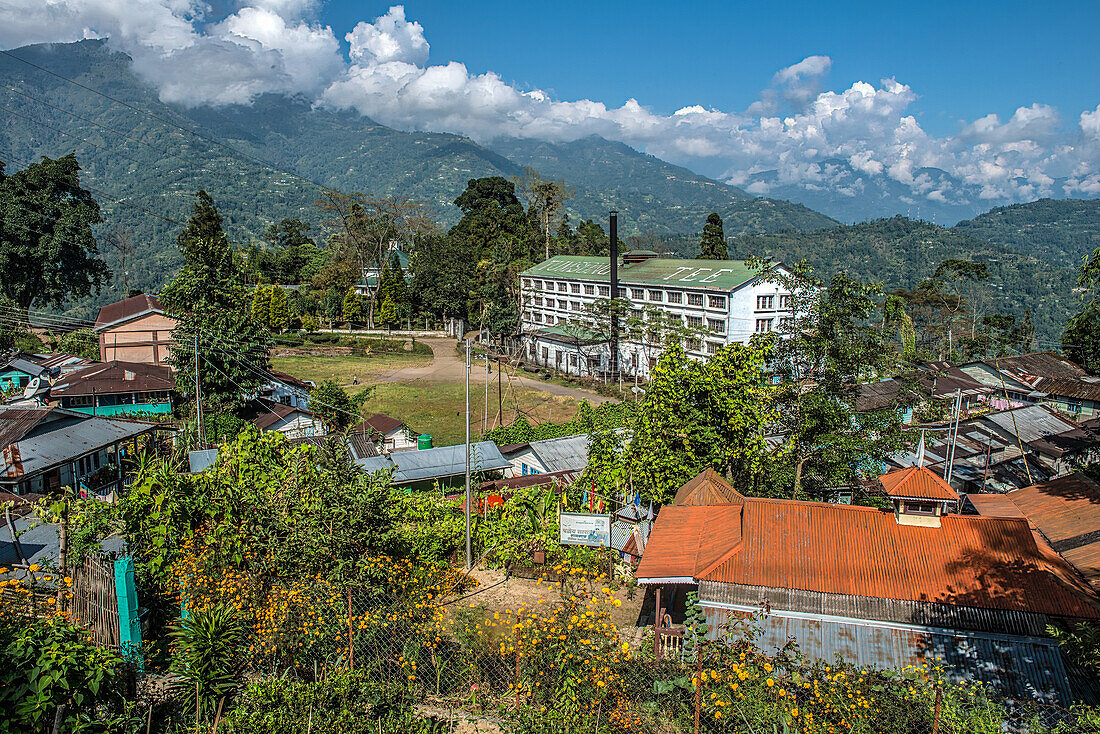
(797, 133)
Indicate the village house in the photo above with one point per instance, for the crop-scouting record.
(1012, 379)
(44, 449)
(116, 389)
(388, 432)
(879, 588)
(443, 464)
(267, 415)
(17, 372)
(547, 456)
(286, 389)
(135, 330)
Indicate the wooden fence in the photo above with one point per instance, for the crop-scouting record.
(95, 601)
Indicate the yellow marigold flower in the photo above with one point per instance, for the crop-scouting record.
(33, 567)
(770, 682)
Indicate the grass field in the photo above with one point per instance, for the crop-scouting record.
(343, 368)
(436, 408)
(428, 406)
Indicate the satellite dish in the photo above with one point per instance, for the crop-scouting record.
(32, 387)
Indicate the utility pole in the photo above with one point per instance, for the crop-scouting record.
(485, 413)
(469, 550)
(500, 398)
(954, 437)
(198, 395)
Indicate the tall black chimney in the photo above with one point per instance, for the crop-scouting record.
(614, 311)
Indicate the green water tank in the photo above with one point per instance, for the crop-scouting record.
(424, 442)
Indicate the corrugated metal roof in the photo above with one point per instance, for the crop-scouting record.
(115, 377)
(861, 551)
(707, 488)
(1030, 422)
(436, 463)
(127, 309)
(1028, 668)
(70, 436)
(380, 423)
(994, 505)
(1038, 364)
(917, 483)
(1080, 389)
(1067, 512)
(567, 453)
(15, 423)
(717, 275)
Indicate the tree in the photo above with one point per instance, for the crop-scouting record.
(261, 305)
(592, 239)
(48, 252)
(280, 315)
(701, 414)
(831, 343)
(1081, 339)
(209, 301)
(545, 198)
(713, 245)
(82, 343)
(332, 403)
(353, 307)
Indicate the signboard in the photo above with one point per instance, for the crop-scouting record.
(584, 529)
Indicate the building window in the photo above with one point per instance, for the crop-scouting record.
(563, 305)
(546, 354)
(605, 290)
(526, 282)
(622, 293)
(637, 294)
(675, 297)
(576, 305)
(695, 299)
(695, 322)
(531, 351)
(656, 296)
(1073, 406)
(563, 287)
(765, 303)
(548, 286)
(590, 290)
(538, 300)
(80, 401)
(763, 326)
(785, 300)
(572, 360)
(574, 287)
(786, 323)
(717, 325)
(538, 317)
(920, 508)
(694, 345)
(717, 302)
(712, 348)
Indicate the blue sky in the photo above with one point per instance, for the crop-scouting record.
(963, 59)
(1003, 97)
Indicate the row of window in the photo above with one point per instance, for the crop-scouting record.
(763, 326)
(636, 294)
(717, 326)
(767, 303)
(140, 398)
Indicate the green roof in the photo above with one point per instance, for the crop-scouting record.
(572, 332)
(720, 275)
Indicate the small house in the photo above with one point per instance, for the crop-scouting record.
(443, 464)
(44, 449)
(116, 388)
(564, 454)
(390, 433)
(267, 415)
(135, 330)
(286, 389)
(17, 372)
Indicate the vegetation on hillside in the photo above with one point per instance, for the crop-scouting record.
(1058, 231)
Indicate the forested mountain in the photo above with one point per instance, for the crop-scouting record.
(900, 252)
(144, 171)
(1056, 230)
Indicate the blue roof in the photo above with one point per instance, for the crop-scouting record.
(436, 463)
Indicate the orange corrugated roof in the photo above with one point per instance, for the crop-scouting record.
(1067, 512)
(981, 562)
(994, 505)
(708, 487)
(917, 482)
(686, 538)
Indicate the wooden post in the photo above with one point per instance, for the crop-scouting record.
(698, 684)
(517, 679)
(936, 712)
(351, 636)
(657, 626)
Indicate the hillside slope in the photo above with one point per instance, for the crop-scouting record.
(144, 171)
(900, 252)
(1056, 230)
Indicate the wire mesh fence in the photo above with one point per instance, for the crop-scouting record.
(563, 666)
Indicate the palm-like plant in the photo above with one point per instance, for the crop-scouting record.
(207, 656)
